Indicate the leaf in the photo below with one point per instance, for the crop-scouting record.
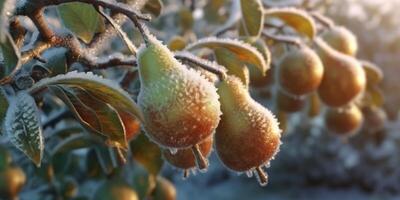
(153, 6)
(243, 51)
(85, 115)
(11, 55)
(147, 153)
(103, 89)
(132, 48)
(22, 126)
(3, 106)
(98, 116)
(375, 96)
(105, 159)
(234, 66)
(234, 14)
(73, 142)
(111, 123)
(373, 73)
(82, 19)
(143, 182)
(298, 19)
(56, 61)
(252, 16)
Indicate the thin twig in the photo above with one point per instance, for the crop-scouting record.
(280, 38)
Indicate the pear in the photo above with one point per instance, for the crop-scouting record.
(184, 158)
(248, 136)
(344, 122)
(165, 190)
(12, 179)
(300, 71)
(341, 39)
(344, 78)
(115, 189)
(180, 107)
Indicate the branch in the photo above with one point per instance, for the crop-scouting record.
(280, 38)
(205, 64)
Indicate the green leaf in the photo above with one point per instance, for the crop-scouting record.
(103, 89)
(56, 61)
(11, 55)
(154, 7)
(245, 52)
(252, 16)
(74, 142)
(298, 19)
(82, 19)
(147, 153)
(3, 106)
(22, 125)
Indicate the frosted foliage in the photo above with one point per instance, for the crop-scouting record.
(180, 105)
(22, 126)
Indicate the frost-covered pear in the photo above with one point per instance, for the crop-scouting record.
(344, 78)
(184, 158)
(248, 136)
(344, 122)
(300, 71)
(180, 107)
(341, 39)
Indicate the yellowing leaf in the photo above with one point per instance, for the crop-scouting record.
(23, 127)
(103, 89)
(245, 52)
(252, 17)
(373, 73)
(298, 19)
(82, 19)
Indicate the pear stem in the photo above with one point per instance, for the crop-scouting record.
(201, 161)
(262, 176)
(325, 21)
(280, 38)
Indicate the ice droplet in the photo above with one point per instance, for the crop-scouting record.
(173, 151)
(249, 173)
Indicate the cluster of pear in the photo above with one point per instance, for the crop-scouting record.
(12, 178)
(185, 114)
(329, 73)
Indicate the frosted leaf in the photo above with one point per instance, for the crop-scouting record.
(22, 126)
(252, 16)
(298, 19)
(245, 52)
(104, 89)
